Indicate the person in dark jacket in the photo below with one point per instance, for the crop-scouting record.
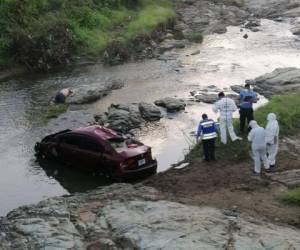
(61, 95)
(247, 98)
(207, 132)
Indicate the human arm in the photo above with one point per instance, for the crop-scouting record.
(199, 132)
(215, 107)
(250, 136)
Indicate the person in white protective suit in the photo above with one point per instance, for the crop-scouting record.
(272, 138)
(226, 106)
(257, 137)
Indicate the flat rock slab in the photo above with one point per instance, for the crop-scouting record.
(290, 178)
(124, 216)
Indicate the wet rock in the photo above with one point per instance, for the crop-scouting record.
(170, 44)
(206, 97)
(219, 28)
(245, 36)
(279, 81)
(90, 93)
(296, 30)
(294, 12)
(237, 88)
(252, 23)
(123, 117)
(150, 112)
(206, 17)
(171, 104)
(137, 217)
(253, 29)
(197, 52)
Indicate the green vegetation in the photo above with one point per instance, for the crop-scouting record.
(54, 111)
(287, 109)
(195, 37)
(43, 33)
(291, 197)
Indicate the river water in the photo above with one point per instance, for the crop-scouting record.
(224, 60)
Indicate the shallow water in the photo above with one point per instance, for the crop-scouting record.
(224, 60)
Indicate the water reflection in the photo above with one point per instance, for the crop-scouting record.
(73, 180)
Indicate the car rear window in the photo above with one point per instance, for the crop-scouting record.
(119, 144)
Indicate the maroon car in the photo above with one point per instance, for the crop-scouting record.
(99, 149)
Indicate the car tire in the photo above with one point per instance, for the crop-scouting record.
(109, 175)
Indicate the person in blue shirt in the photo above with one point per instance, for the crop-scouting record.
(207, 132)
(247, 98)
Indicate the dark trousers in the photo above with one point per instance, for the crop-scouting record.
(245, 114)
(209, 149)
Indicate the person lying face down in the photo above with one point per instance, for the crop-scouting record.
(61, 95)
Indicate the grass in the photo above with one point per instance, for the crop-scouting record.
(48, 29)
(287, 109)
(291, 197)
(195, 37)
(54, 111)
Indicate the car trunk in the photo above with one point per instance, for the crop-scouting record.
(136, 157)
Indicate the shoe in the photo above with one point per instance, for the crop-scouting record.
(255, 173)
(238, 138)
(272, 166)
(268, 170)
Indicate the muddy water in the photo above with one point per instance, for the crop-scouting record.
(223, 60)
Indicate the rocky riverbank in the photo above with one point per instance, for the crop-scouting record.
(123, 216)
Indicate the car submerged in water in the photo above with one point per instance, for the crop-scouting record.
(100, 150)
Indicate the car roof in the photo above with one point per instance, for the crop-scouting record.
(97, 132)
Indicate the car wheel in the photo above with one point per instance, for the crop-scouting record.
(108, 173)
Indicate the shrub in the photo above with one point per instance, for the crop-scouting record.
(291, 197)
(195, 37)
(43, 33)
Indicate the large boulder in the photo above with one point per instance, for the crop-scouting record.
(90, 93)
(150, 112)
(279, 81)
(171, 104)
(123, 117)
(123, 216)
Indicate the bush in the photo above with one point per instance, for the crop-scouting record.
(41, 34)
(291, 197)
(195, 37)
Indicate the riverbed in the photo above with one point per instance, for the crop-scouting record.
(224, 60)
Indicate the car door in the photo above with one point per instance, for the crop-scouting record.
(68, 149)
(91, 152)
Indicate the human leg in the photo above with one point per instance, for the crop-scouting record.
(264, 158)
(257, 162)
(272, 152)
(249, 116)
(242, 119)
(212, 149)
(206, 146)
(223, 131)
(231, 130)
